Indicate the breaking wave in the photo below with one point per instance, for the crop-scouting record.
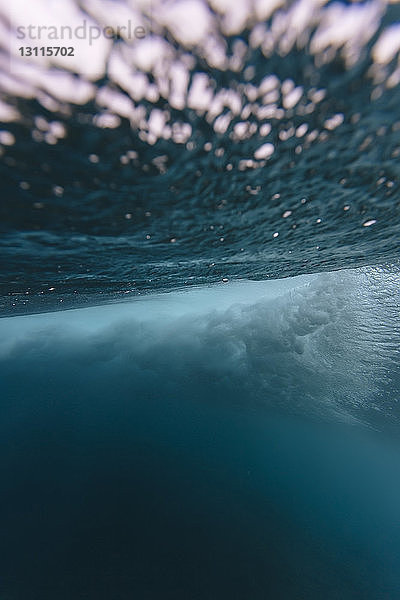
(324, 344)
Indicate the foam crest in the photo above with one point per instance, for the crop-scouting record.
(322, 344)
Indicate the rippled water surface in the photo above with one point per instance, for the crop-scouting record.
(259, 146)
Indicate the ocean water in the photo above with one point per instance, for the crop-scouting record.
(199, 302)
(232, 441)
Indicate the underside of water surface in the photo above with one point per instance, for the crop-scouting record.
(260, 146)
(199, 301)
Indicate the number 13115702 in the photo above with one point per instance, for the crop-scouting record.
(47, 51)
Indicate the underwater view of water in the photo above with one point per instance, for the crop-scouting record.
(199, 300)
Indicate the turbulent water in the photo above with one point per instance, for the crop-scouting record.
(324, 345)
(217, 202)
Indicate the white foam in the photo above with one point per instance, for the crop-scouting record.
(325, 343)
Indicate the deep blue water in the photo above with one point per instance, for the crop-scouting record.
(199, 302)
(230, 441)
